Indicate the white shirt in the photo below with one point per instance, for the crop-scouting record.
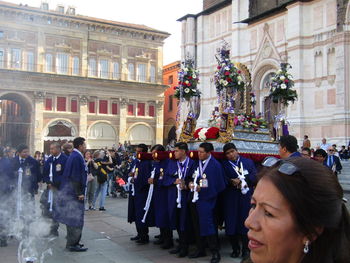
(325, 146)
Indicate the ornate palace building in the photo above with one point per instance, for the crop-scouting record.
(64, 75)
(313, 36)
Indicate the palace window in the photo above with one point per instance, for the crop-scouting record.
(74, 105)
(130, 109)
(92, 67)
(131, 69)
(48, 63)
(92, 107)
(151, 111)
(61, 104)
(2, 58)
(116, 70)
(140, 109)
(103, 69)
(30, 61)
(103, 106)
(48, 104)
(141, 74)
(153, 74)
(114, 108)
(62, 63)
(75, 66)
(16, 60)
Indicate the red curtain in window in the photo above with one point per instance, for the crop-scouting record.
(48, 104)
(114, 108)
(103, 107)
(74, 106)
(61, 104)
(130, 109)
(151, 111)
(141, 109)
(91, 107)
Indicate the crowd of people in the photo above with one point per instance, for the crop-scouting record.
(286, 208)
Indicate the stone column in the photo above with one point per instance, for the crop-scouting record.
(38, 121)
(122, 120)
(83, 100)
(159, 122)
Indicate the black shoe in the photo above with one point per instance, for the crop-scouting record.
(198, 254)
(167, 245)
(236, 253)
(102, 209)
(77, 248)
(81, 245)
(215, 258)
(135, 238)
(175, 251)
(3, 243)
(183, 253)
(159, 242)
(157, 236)
(142, 241)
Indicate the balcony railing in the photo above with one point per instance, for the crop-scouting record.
(70, 71)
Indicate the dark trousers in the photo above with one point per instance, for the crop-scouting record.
(73, 235)
(183, 236)
(142, 232)
(212, 241)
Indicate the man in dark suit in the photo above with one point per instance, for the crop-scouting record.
(333, 162)
(288, 147)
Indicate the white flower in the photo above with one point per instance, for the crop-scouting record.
(225, 82)
(221, 81)
(282, 78)
(202, 133)
(283, 86)
(187, 82)
(239, 82)
(187, 90)
(239, 78)
(227, 68)
(279, 71)
(186, 69)
(194, 90)
(194, 76)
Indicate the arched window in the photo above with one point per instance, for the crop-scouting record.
(92, 67)
(48, 64)
(116, 70)
(75, 66)
(153, 74)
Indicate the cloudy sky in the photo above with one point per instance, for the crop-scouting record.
(159, 14)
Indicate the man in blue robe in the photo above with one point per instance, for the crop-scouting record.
(240, 174)
(70, 204)
(142, 173)
(6, 190)
(52, 176)
(288, 147)
(160, 199)
(177, 176)
(207, 183)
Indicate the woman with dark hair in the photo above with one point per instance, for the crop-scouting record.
(298, 215)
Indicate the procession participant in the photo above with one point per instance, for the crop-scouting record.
(70, 205)
(52, 176)
(26, 172)
(6, 189)
(207, 182)
(142, 173)
(178, 173)
(131, 199)
(67, 148)
(160, 197)
(333, 161)
(240, 175)
(288, 147)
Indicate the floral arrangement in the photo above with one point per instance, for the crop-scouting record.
(227, 76)
(282, 86)
(188, 81)
(251, 121)
(203, 134)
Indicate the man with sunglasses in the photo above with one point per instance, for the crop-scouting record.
(288, 147)
(240, 174)
(333, 161)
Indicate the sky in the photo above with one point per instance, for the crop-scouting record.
(158, 14)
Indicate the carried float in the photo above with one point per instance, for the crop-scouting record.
(234, 118)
